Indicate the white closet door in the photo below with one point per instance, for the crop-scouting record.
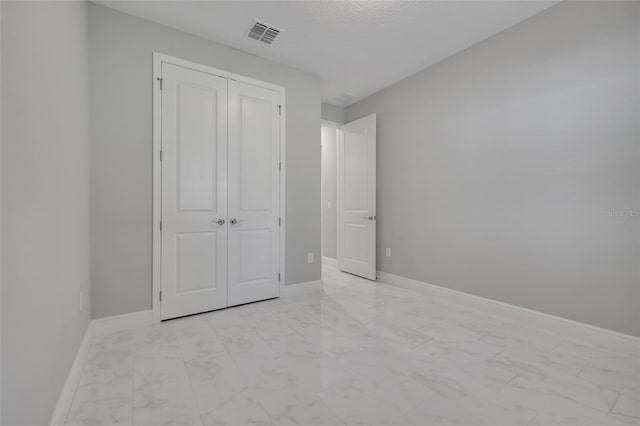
(254, 152)
(357, 197)
(194, 192)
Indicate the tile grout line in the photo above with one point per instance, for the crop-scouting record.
(515, 376)
(582, 368)
(534, 417)
(614, 403)
(186, 373)
(238, 367)
(492, 357)
(218, 336)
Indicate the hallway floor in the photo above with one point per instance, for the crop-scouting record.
(359, 353)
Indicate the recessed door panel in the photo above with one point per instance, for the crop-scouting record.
(254, 181)
(196, 259)
(255, 151)
(195, 147)
(255, 255)
(194, 192)
(355, 242)
(355, 162)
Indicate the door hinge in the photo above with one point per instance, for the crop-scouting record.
(279, 221)
(160, 155)
(280, 166)
(160, 226)
(160, 295)
(160, 80)
(278, 276)
(279, 109)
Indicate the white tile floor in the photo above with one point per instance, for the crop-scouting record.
(360, 353)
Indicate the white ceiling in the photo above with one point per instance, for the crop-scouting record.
(357, 47)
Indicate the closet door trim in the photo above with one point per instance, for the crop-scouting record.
(158, 60)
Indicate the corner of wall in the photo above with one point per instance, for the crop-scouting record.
(333, 113)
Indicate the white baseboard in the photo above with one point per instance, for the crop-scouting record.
(328, 261)
(120, 322)
(609, 339)
(95, 328)
(302, 288)
(65, 399)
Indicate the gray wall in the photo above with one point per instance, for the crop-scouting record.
(121, 49)
(45, 202)
(502, 171)
(329, 191)
(333, 113)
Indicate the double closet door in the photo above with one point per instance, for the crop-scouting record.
(220, 189)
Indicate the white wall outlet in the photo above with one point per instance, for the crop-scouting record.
(388, 251)
(81, 302)
(328, 204)
(309, 257)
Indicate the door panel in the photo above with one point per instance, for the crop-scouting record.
(194, 148)
(355, 176)
(196, 260)
(254, 182)
(255, 154)
(356, 248)
(194, 192)
(255, 252)
(355, 242)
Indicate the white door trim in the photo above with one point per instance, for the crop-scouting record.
(158, 59)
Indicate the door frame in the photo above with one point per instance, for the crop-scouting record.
(158, 60)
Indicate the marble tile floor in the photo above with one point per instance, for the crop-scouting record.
(358, 353)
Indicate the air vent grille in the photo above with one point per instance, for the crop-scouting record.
(263, 32)
(257, 31)
(270, 35)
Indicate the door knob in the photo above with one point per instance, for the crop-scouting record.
(219, 221)
(368, 217)
(234, 221)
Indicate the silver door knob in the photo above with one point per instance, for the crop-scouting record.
(234, 221)
(368, 217)
(219, 221)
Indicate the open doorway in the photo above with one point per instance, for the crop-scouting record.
(329, 142)
(349, 196)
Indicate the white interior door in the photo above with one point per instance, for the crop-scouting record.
(254, 193)
(194, 192)
(356, 249)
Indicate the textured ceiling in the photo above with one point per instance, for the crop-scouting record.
(357, 47)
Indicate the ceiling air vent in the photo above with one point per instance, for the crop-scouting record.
(263, 32)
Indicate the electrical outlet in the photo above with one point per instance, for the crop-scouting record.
(388, 251)
(81, 304)
(309, 257)
(328, 204)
